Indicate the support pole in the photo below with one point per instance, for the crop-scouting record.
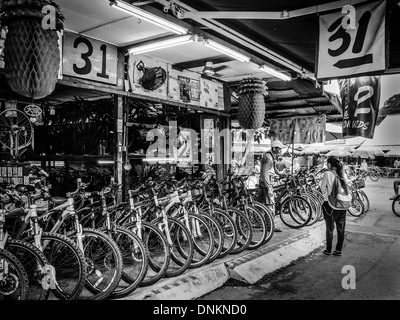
(119, 141)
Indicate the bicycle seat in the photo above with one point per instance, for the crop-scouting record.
(22, 188)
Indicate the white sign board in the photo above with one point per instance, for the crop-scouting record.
(352, 42)
(89, 59)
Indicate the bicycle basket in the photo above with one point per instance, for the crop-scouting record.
(153, 78)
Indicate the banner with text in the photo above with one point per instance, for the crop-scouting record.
(360, 102)
(307, 129)
(352, 42)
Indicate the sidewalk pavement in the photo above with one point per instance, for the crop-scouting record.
(249, 266)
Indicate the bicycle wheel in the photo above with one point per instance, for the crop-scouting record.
(269, 219)
(36, 267)
(374, 176)
(14, 283)
(228, 228)
(316, 208)
(396, 206)
(135, 262)
(103, 263)
(357, 207)
(158, 251)
(218, 237)
(295, 212)
(244, 229)
(69, 263)
(176, 234)
(258, 225)
(364, 198)
(202, 236)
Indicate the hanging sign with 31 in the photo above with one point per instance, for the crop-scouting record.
(89, 59)
(352, 42)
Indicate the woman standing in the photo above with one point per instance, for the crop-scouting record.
(332, 216)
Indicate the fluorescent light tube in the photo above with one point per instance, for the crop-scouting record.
(275, 73)
(162, 44)
(105, 161)
(152, 18)
(227, 51)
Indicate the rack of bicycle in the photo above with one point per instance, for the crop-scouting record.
(90, 246)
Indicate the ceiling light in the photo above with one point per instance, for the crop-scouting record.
(275, 73)
(105, 161)
(232, 53)
(171, 42)
(149, 17)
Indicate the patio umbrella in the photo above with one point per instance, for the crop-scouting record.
(338, 153)
(363, 153)
(393, 153)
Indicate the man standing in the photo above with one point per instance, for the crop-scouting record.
(268, 162)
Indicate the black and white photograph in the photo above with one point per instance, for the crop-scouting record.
(199, 158)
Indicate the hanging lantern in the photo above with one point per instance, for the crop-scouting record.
(251, 110)
(31, 48)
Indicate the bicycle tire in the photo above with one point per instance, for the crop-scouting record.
(178, 264)
(244, 230)
(35, 264)
(218, 237)
(364, 198)
(229, 230)
(293, 209)
(203, 240)
(269, 219)
(357, 207)
(396, 206)
(374, 176)
(14, 284)
(103, 261)
(76, 268)
(316, 208)
(158, 251)
(258, 225)
(134, 262)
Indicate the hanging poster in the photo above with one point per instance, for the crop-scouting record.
(208, 141)
(307, 129)
(209, 94)
(194, 90)
(184, 89)
(352, 41)
(184, 86)
(360, 102)
(138, 65)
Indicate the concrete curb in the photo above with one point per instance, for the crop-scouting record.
(281, 255)
(248, 268)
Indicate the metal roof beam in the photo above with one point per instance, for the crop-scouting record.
(266, 15)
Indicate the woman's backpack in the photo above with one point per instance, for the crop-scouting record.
(339, 199)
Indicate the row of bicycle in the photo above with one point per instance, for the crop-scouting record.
(92, 246)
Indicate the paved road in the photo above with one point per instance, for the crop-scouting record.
(371, 254)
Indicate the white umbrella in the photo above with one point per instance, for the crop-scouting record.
(338, 153)
(393, 153)
(363, 153)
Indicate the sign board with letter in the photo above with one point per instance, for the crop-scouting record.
(307, 129)
(352, 44)
(360, 102)
(89, 59)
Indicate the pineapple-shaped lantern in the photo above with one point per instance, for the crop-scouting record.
(31, 50)
(251, 110)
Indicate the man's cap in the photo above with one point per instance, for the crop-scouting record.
(277, 144)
